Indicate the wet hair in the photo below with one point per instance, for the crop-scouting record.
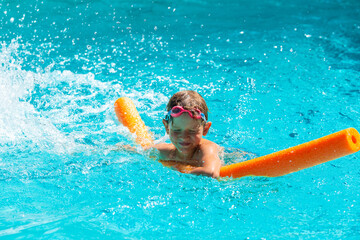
(189, 100)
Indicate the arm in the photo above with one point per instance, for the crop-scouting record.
(211, 161)
(153, 151)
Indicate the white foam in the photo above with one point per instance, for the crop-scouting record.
(53, 110)
(19, 120)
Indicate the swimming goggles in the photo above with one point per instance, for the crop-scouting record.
(178, 110)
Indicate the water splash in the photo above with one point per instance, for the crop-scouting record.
(21, 124)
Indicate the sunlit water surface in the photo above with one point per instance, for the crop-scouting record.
(274, 74)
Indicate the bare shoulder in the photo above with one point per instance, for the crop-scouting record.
(209, 158)
(163, 146)
(165, 149)
(209, 147)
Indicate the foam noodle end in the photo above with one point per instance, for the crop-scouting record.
(128, 115)
(296, 158)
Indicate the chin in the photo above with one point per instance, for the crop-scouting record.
(186, 149)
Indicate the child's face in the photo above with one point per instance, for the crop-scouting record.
(186, 133)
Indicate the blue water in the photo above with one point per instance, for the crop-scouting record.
(274, 74)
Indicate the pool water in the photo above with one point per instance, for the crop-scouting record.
(274, 74)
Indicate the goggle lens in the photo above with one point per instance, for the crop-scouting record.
(178, 110)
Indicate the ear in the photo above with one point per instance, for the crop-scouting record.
(166, 124)
(206, 128)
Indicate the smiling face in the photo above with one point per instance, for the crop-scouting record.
(186, 133)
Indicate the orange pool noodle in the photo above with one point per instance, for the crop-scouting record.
(293, 159)
(280, 163)
(128, 115)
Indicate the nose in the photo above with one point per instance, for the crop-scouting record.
(184, 135)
